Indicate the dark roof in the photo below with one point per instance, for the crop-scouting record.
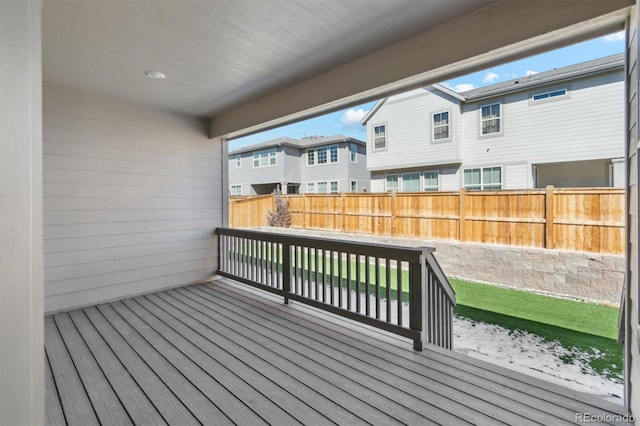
(557, 75)
(307, 142)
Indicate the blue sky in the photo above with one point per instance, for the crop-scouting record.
(347, 122)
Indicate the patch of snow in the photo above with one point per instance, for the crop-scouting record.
(531, 354)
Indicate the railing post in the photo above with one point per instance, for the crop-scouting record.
(286, 270)
(416, 299)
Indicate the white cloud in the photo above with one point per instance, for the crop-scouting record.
(353, 117)
(619, 36)
(529, 72)
(490, 77)
(463, 87)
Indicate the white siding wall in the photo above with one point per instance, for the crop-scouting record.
(516, 176)
(131, 198)
(588, 124)
(408, 118)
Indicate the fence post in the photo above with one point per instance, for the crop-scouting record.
(343, 212)
(461, 221)
(286, 270)
(416, 299)
(393, 211)
(548, 226)
(305, 200)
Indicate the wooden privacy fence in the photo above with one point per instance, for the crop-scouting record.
(581, 219)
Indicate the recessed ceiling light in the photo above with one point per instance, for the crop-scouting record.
(156, 75)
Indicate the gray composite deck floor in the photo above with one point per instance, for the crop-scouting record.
(220, 353)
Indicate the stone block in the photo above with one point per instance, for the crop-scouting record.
(603, 284)
(521, 264)
(589, 272)
(545, 266)
(577, 261)
(589, 293)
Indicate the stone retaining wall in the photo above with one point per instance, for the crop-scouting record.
(589, 276)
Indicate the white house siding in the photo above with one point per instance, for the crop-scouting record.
(131, 199)
(408, 118)
(588, 124)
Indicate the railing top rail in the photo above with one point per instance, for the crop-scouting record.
(410, 254)
(444, 282)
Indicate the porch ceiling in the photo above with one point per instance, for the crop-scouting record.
(217, 54)
(248, 63)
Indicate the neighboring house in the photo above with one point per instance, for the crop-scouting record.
(563, 127)
(314, 164)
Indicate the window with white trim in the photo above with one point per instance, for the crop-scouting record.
(441, 126)
(491, 119)
(354, 186)
(483, 179)
(549, 95)
(311, 187)
(411, 182)
(391, 183)
(334, 186)
(321, 153)
(380, 136)
(353, 153)
(236, 189)
(266, 158)
(333, 154)
(430, 180)
(322, 188)
(238, 160)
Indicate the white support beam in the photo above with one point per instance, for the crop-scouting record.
(21, 292)
(507, 30)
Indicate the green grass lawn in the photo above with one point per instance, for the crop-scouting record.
(587, 327)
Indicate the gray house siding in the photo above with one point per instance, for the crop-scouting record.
(131, 197)
(292, 166)
(408, 120)
(571, 140)
(586, 124)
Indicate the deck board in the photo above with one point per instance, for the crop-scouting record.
(132, 397)
(53, 408)
(158, 393)
(221, 353)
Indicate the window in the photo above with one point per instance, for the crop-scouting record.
(486, 178)
(238, 160)
(549, 95)
(431, 181)
(333, 153)
(354, 186)
(311, 157)
(334, 186)
(264, 158)
(322, 155)
(379, 137)
(392, 182)
(311, 187)
(411, 182)
(353, 153)
(490, 121)
(440, 126)
(322, 187)
(236, 189)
